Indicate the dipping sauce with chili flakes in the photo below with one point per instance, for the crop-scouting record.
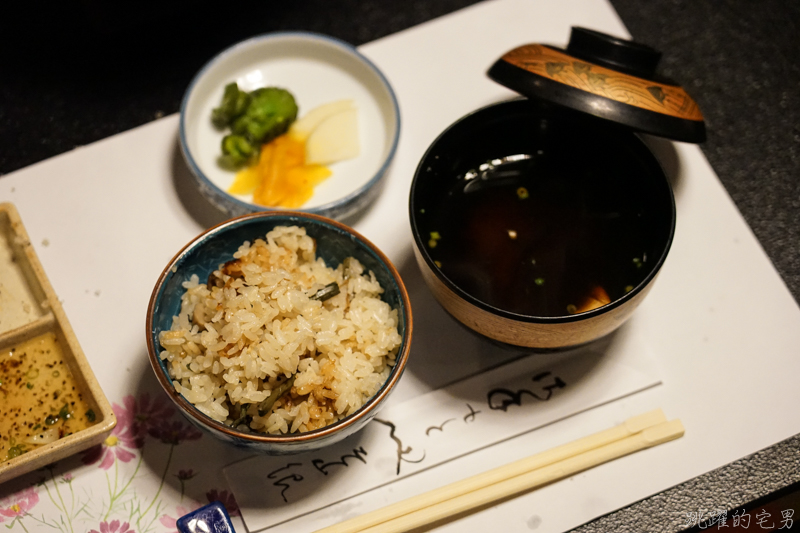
(40, 401)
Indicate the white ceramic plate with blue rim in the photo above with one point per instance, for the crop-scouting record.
(316, 69)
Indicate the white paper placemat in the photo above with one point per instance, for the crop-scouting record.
(447, 424)
(722, 327)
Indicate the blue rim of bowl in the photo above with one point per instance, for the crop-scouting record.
(322, 209)
(371, 404)
(419, 242)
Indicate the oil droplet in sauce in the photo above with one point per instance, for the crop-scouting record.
(40, 401)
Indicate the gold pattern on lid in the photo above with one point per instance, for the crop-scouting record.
(638, 92)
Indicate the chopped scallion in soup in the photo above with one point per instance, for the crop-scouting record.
(538, 235)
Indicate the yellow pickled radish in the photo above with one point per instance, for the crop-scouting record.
(246, 181)
(301, 182)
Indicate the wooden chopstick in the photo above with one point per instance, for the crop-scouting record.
(416, 504)
(653, 436)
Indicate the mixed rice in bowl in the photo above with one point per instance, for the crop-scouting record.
(275, 343)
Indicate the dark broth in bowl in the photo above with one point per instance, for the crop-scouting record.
(541, 217)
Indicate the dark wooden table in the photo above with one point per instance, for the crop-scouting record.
(72, 73)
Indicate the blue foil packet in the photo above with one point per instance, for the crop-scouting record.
(213, 518)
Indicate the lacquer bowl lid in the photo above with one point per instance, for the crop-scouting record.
(607, 77)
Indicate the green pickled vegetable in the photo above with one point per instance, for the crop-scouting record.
(269, 114)
(254, 119)
(234, 103)
(237, 150)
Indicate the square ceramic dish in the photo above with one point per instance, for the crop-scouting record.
(41, 363)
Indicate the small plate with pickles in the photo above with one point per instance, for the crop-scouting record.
(289, 120)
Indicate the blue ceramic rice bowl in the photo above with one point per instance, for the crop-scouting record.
(201, 257)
